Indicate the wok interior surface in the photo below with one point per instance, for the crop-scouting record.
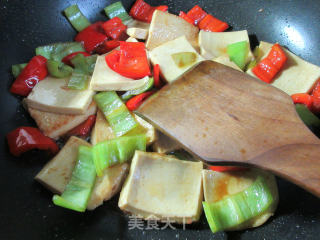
(26, 207)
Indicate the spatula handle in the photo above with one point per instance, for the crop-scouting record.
(299, 163)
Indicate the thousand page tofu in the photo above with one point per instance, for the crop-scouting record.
(163, 187)
(297, 76)
(52, 95)
(105, 79)
(214, 44)
(162, 55)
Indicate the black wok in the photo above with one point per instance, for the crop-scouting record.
(26, 208)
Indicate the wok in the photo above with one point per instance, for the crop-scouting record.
(26, 208)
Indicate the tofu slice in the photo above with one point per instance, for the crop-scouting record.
(225, 60)
(102, 130)
(165, 144)
(163, 187)
(55, 125)
(105, 79)
(52, 95)
(165, 27)
(162, 55)
(57, 172)
(138, 24)
(214, 44)
(108, 185)
(297, 76)
(217, 185)
(138, 33)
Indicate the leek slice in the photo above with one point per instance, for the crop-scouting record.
(117, 10)
(17, 68)
(184, 59)
(76, 18)
(116, 112)
(78, 190)
(148, 83)
(116, 151)
(236, 209)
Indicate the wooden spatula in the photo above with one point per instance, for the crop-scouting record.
(222, 115)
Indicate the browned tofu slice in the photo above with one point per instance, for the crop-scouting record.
(163, 187)
(108, 185)
(165, 27)
(57, 172)
(165, 144)
(102, 130)
(55, 125)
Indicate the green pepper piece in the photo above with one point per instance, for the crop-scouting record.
(147, 85)
(76, 18)
(238, 53)
(17, 68)
(236, 209)
(117, 10)
(78, 80)
(57, 51)
(116, 151)
(116, 112)
(79, 188)
(311, 120)
(84, 64)
(184, 59)
(58, 69)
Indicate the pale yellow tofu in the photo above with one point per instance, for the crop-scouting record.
(217, 185)
(165, 144)
(138, 33)
(162, 55)
(105, 79)
(214, 44)
(163, 187)
(108, 185)
(57, 172)
(138, 24)
(225, 60)
(297, 76)
(165, 27)
(55, 125)
(102, 130)
(52, 95)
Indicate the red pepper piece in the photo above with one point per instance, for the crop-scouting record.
(107, 46)
(303, 98)
(84, 128)
(24, 139)
(268, 67)
(112, 60)
(131, 61)
(316, 90)
(133, 103)
(315, 108)
(92, 36)
(227, 168)
(143, 11)
(196, 14)
(212, 24)
(156, 76)
(67, 59)
(115, 29)
(184, 16)
(35, 71)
